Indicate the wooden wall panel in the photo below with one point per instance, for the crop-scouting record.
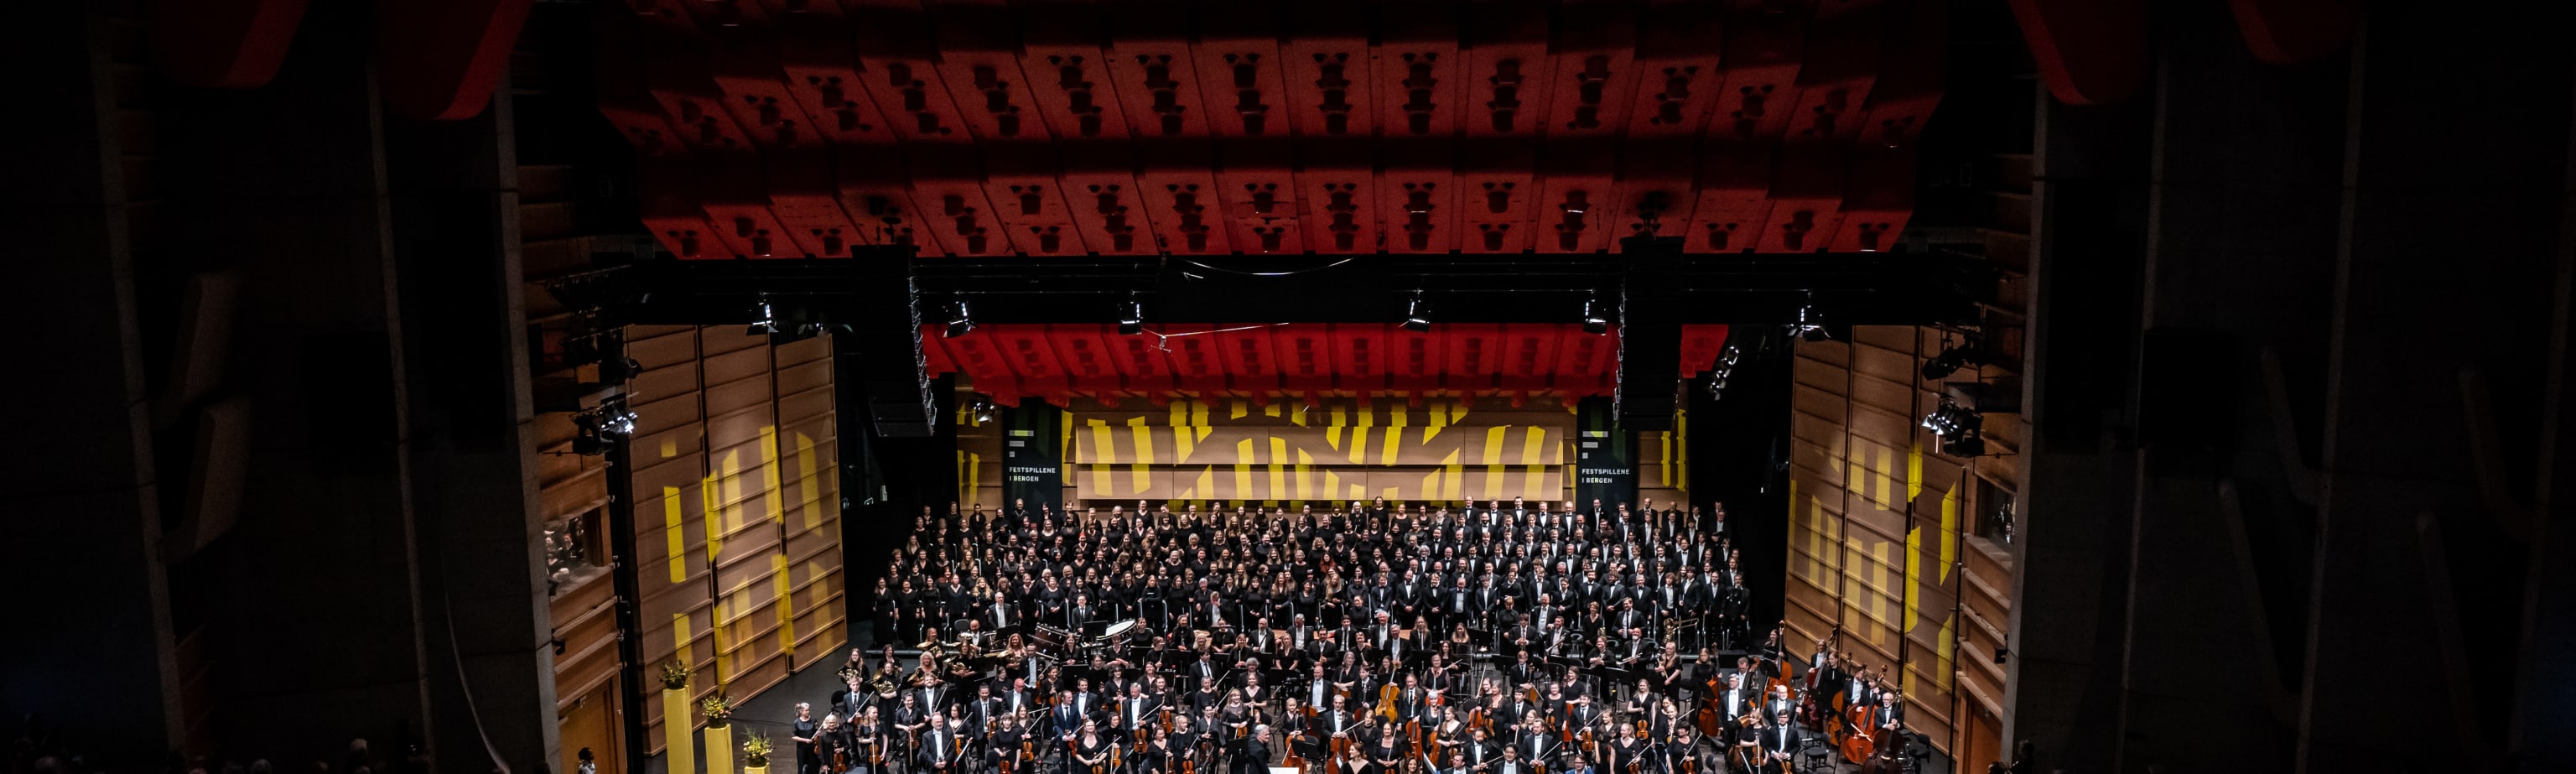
(736, 497)
(1878, 519)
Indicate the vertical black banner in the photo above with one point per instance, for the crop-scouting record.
(1605, 458)
(1033, 455)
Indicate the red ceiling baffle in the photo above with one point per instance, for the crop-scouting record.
(1150, 68)
(441, 59)
(978, 44)
(877, 196)
(1414, 361)
(1198, 365)
(1068, 74)
(742, 58)
(2295, 31)
(726, 162)
(1678, 69)
(1416, 197)
(1416, 69)
(1595, 65)
(981, 356)
(821, 74)
(1143, 365)
(1236, 53)
(1336, 186)
(1257, 194)
(1473, 355)
(1880, 195)
(794, 174)
(1842, 64)
(1655, 194)
(1324, 63)
(1765, 46)
(1252, 364)
(980, 60)
(1030, 353)
(1734, 196)
(948, 192)
(1576, 195)
(1806, 198)
(1586, 365)
(935, 357)
(1528, 356)
(1021, 179)
(1089, 367)
(1305, 357)
(1503, 91)
(1360, 357)
(1104, 199)
(666, 185)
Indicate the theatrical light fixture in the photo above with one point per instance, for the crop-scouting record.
(1952, 358)
(1417, 315)
(1593, 321)
(1809, 327)
(1725, 367)
(768, 322)
(1131, 317)
(979, 409)
(1961, 430)
(959, 324)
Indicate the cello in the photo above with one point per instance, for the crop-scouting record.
(1856, 744)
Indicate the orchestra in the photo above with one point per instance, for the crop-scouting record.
(1504, 637)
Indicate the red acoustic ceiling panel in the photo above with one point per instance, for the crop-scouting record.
(1150, 69)
(1236, 52)
(1308, 360)
(1416, 71)
(1256, 191)
(1496, 190)
(1068, 75)
(1337, 191)
(1198, 362)
(1305, 357)
(2089, 52)
(1595, 64)
(948, 192)
(1180, 199)
(1507, 67)
(1528, 356)
(1089, 367)
(1020, 180)
(900, 64)
(2295, 31)
(1415, 198)
(979, 58)
(1104, 201)
(1251, 363)
(803, 195)
(1678, 55)
(1325, 65)
(1145, 127)
(814, 57)
(669, 207)
(743, 58)
(1414, 361)
(736, 198)
(877, 197)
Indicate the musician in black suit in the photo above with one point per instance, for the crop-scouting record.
(1253, 756)
(938, 747)
(1780, 740)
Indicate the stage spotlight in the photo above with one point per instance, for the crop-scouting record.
(1729, 356)
(1593, 321)
(768, 322)
(1941, 366)
(619, 369)
(1417, 316)
(1810, 327)
(1131, 318)
(959, 324)
(625, 424)
(981, 410)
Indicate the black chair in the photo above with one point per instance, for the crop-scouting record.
(1815, 755)
(1918, 749)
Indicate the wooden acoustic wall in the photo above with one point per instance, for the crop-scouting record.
(1878, 517)
(737, 507)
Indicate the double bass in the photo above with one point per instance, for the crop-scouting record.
(1857, 745)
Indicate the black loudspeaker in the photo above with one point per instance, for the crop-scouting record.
(1650, 334)
(2187, 390)
(887, 339)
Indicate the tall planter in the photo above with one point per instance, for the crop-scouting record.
(720, 748)
(678, 731)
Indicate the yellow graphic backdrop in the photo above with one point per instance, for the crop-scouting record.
(1443, 450)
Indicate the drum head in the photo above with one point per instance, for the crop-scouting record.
(1118, 628)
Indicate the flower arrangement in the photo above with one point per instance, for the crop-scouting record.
(717, 708)
(675, 675)
(755, 751)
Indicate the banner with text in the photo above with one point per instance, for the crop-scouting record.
(1033, 455)
(1605, 464)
